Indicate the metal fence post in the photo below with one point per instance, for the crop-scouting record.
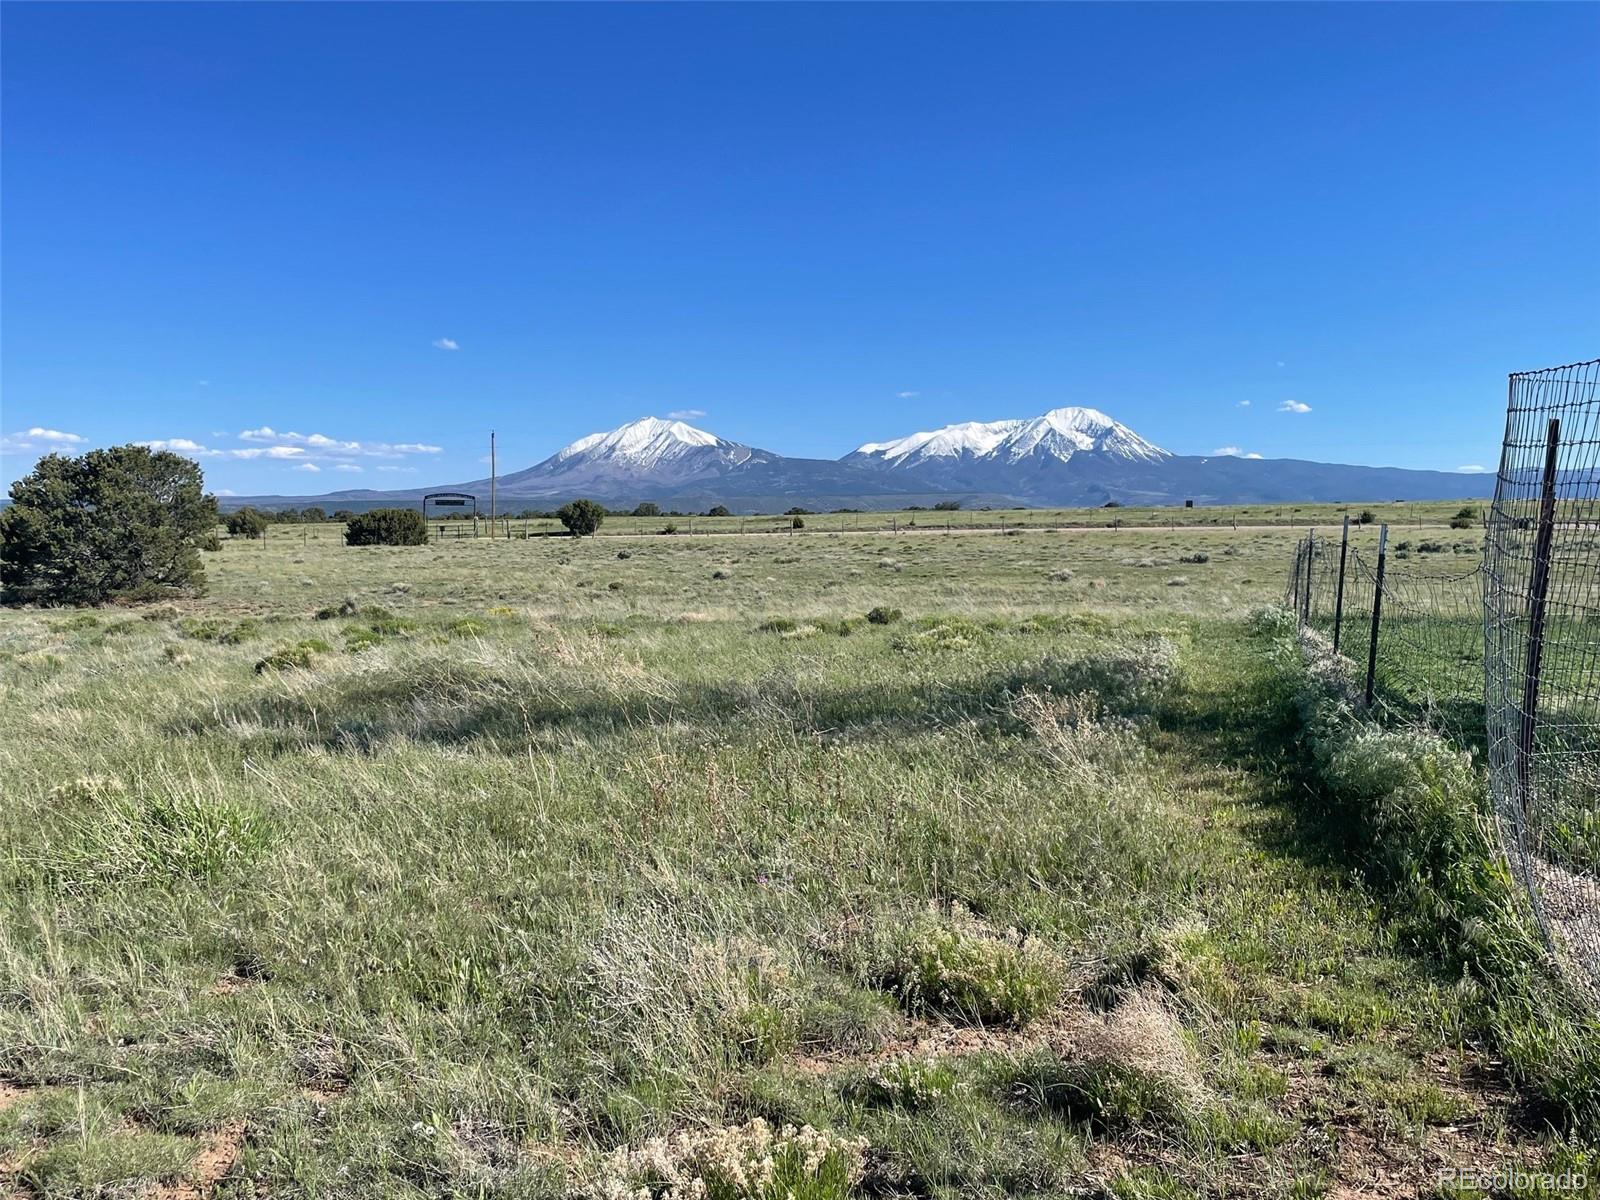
(1538, 590)
(1338, 595)
(1377, 610)
(1311, 558)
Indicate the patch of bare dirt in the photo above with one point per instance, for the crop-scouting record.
(219, 1150)
(12, 1094)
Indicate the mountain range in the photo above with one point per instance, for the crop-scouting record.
(1067, 456)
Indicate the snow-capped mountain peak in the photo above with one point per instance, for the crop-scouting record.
(970, 437)
(1063, 432)
(641, 443)
(1059, 434)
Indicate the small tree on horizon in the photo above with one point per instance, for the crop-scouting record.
(121, 523)
(387, 527)
(581, 517)
(648, 509)
(246, 522)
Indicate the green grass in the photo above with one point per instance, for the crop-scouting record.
(517, 872)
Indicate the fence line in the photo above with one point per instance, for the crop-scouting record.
(1503, 653)
(1416, 637)
(1542, 666)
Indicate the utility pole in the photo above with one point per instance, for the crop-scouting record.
(491, 485)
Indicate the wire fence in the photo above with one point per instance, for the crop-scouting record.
(1497, 643)
(1408, 613)
(1542, 666)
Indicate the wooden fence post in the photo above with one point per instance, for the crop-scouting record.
(1338, 597)
(1538, 591)
(1377, 611)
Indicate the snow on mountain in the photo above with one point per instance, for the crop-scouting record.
(648, 452)
(640, 445)
(1058, 434)
(970, 437)
(1063, 432)
(1068, 456)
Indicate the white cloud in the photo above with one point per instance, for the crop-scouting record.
(196, 450)
(1281, 364)
(320, 445)
(907, 395)
(38, 440)
(1472, 469)
(1244, 404)
(1252, 456)
(226, 492)
(346, 467)
(1294, 406)
(686, 414)
(446, 344)
(307, 466)
(401, 470)
(1232, 452)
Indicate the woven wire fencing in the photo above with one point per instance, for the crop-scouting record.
(1542, 668)
(1421, 599)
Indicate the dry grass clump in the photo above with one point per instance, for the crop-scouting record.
(961, 968)
(1060, 575)
(1073, 730)
(745, 1162)
(1129, 676)
(658, 988)
(1127, 1068)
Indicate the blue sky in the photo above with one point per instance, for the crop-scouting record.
(393, 227)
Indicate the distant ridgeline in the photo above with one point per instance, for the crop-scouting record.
(1068, 457)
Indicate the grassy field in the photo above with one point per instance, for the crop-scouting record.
(1410, 515)
(553, 868)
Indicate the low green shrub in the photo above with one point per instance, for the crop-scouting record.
(884, 615)
(201, 630)
(300, 656)
(244, 631)
(958, 967)
(361, 637)
(1106, 1095)
(906, 1082)
(345, 608)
